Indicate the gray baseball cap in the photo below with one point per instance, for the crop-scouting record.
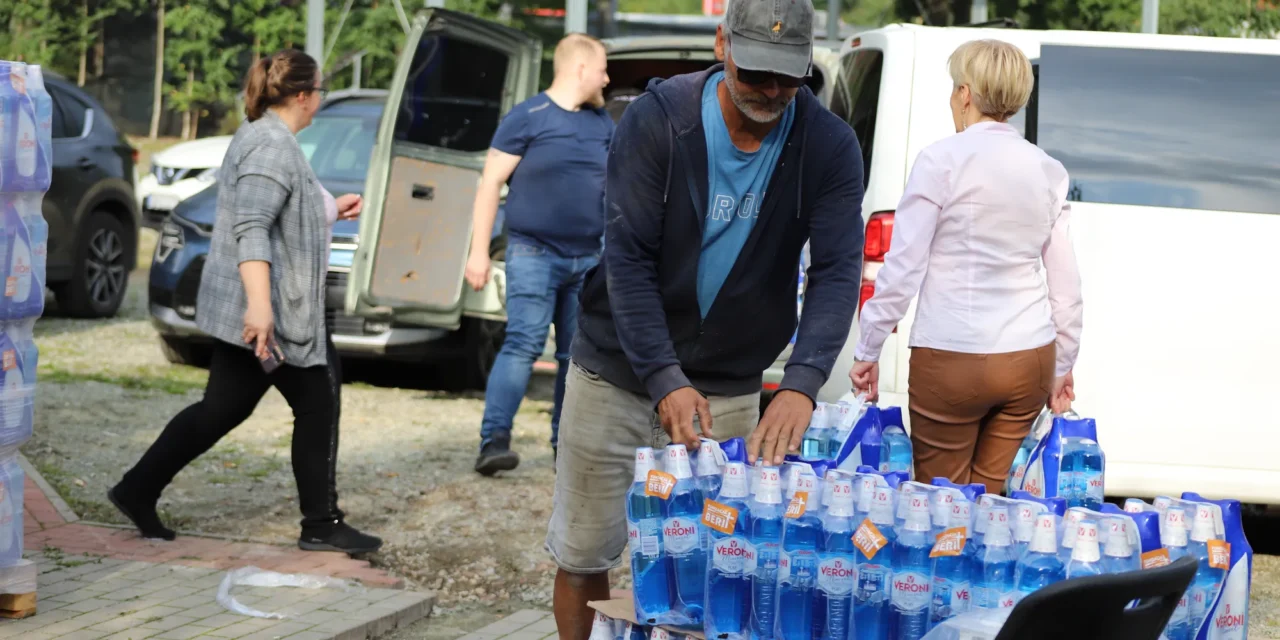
(771, 35)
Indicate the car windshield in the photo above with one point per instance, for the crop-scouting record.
(338, 146)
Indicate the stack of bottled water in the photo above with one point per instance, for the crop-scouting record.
(26, 116)
(832, 424)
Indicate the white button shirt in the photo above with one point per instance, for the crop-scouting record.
(982, 234)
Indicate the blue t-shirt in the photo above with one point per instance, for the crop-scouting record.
(555, 197)
(737, 181)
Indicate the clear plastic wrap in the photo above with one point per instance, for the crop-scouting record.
(255, 577)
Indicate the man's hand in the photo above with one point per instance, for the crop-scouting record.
(781, 429)
(1064, 393)
(477, 273)
(866, 379)
(676, 412)
(349, 206)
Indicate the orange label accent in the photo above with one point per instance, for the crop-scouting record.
(868, 539)
(1157, 558)
(1219, 554)
(720, 517)
(8, 360)
(659, 484)
(10, 286)
(798, 504)
(950, 543)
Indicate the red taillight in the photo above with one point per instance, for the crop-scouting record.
(879, 232)
(135, 156)
(868, 290)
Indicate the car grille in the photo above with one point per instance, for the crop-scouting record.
(184, 295)
(335, 299)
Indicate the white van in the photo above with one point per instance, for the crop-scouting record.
(1173, 146)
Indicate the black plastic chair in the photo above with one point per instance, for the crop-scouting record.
(1095, 607)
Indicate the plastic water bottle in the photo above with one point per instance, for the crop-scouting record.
(650, 568)
(940, 509)
(765, 533)
(1117, 553)
(1175, 540)
(1204, 587)
(43, 105)
(1070, 529)
(895, 453)
(981, 522)
(952, 567)
(994, 569)
(865, 486)
(708, 472)
(798, 561)
(601, 628)
(1024, 526)
(1086, 559)
(837, 571)
(910, 599)
(1040, 566)
(874, 541)
(828, 502)
(686, 541)
(22, 297)
(814, 445)
(1083, 470)
(728, 583)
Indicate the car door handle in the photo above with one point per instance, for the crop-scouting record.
(85, 164)
(422, 192)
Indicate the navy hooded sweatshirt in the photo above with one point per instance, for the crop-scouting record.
(640, 326)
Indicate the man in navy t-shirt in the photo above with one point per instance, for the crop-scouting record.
(551, 151)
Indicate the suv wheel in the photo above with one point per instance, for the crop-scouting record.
(101, 274)
(180, 351)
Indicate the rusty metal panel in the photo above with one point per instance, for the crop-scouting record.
(425, 235)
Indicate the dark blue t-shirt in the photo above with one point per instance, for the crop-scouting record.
(555, 196)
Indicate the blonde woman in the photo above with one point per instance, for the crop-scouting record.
(981, 234)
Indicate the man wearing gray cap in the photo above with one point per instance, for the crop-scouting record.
(715, 181)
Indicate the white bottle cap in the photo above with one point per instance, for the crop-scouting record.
(998, 531)
(917, 512)
(1086, 543)
(644, 464)
(1118, 539)
(1202, 528)
(882, 506)
(843, 418)
(707, 459)
(601, 628)
(1024, 522)
(1175, 528)
(962, 516)
(1044, 537)
(819, 418)
(984, 516)
(678, 462)
(769, 486)
(941, 506)
(828, 487)
(1071, 527)
(806, 482)
(1161, 503)
(735, 481)
(841, 504)
(1134, 505)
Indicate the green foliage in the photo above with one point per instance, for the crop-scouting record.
(202, 72)
(271, 25)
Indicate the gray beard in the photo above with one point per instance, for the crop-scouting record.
(754, 111)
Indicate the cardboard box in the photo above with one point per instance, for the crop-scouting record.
(625, 609)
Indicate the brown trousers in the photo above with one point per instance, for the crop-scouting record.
(969, 412)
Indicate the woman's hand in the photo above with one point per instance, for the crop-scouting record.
(259, 325)
(349, 206)
(1064, 393)
(866, 379)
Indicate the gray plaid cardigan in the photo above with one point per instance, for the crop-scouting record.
(270, 208)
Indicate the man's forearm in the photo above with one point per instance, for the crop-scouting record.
(484, 212)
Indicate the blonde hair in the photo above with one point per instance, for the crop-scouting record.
(573, 47)
(997, 73)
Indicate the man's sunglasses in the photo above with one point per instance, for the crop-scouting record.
(757, 78)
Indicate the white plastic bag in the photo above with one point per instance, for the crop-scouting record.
(255, 577)
(981, 624)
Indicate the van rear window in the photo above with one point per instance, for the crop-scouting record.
(453, 96)
(1180, 129)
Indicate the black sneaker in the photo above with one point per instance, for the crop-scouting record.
(143, 516)
(343, 537)
(496, 455)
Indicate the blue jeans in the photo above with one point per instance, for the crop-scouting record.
(542, 287)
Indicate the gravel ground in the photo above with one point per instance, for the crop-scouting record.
(404, 469)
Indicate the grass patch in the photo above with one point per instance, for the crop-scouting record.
(91, 509)
(141, 382)
(60, 560)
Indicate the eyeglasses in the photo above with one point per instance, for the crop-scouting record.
(757, 78)
(324, 93)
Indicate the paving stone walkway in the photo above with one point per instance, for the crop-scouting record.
(521, 625)
(98, 581)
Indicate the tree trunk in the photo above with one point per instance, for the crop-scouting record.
(157, 87)
(186, 114)
(257, 50)
(100, 53)
(84, 43)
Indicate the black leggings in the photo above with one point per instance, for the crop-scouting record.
(236, 385)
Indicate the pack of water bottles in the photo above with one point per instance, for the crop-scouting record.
(26, 160)
(853, 434)
(1061, 457)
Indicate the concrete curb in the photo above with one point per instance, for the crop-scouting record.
(47, 489)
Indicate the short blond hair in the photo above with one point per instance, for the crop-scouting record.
(573, 47)
(997, 73)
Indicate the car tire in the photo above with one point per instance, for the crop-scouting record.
(180, 351)
(101, 270)
(483, 338)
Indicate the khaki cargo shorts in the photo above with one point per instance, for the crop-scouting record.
(601, 426)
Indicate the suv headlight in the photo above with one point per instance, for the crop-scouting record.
(171, 239)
